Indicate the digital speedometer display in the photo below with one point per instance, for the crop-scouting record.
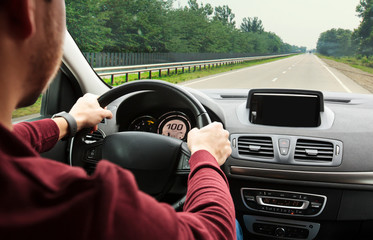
(174, 124)
(175, 128)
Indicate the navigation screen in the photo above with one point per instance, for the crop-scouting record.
(286, 110)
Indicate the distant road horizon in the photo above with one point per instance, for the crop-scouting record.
(305, 71)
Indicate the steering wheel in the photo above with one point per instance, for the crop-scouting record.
(154, 159)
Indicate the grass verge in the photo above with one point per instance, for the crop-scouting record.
(33, 109)
(363, 63)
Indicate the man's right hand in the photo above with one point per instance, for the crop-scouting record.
(88, 112)
(212, 138)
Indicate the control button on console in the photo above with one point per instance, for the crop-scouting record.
(315, 205)
(269, 193)
(283, 195)
(284, 151)
(250, 198)
(284, 143)
(280, 232)
(299, 212)
(295, 196)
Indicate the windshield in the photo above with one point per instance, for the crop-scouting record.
(322, 45)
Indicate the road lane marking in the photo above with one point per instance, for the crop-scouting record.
(289, 68)
(336, 78)
(274, 80)
(284, 72)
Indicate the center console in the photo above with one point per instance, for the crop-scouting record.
(283, 202)
(284, 229)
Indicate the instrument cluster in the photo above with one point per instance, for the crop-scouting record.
(173, 124)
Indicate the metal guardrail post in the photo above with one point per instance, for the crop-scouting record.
(139, 77)
(127, 77)
(112, 79)
(150, 74)
(160, 73)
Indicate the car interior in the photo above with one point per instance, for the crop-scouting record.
(301, 165)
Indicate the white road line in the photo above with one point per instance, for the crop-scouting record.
(284, 72)
(336, 78)
(289, 68)
(274, 80)
(224, 74)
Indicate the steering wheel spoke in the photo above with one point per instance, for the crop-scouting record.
(183, 167)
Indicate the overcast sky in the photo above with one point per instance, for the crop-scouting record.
(297, 22)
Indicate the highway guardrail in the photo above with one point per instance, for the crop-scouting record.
(168, 67)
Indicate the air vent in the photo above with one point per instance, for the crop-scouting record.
(253, 146)
(226, 96)
(311, 150)
(332, 100)
(94, 137)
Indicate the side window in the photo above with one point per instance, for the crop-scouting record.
(29, 112)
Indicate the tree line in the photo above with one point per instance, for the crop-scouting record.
(148, 26)
(342, 42)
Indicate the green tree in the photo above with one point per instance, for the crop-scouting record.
(364, 34)
(138, 25)
(86, 20)
(336, 42)
(225, 15)
(206, 10)
(252, 25)
(186, 30)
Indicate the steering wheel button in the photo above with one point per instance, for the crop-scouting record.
(91, 153)
(186, 165)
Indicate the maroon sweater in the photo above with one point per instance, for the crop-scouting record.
(44, 199)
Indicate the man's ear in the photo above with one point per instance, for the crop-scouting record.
(21, 17)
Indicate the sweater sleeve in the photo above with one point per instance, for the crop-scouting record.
(41, 135)
(209, 210)
(208, 213)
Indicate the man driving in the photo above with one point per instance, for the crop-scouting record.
(45, 199)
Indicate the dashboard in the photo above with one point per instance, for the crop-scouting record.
(286, 182)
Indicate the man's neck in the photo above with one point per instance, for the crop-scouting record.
(6, 115)
(9, 95)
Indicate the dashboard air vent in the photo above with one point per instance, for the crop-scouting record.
(254, 146)
(94, 137)
(312, 150)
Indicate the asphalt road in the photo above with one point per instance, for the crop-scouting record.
(305, 71)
